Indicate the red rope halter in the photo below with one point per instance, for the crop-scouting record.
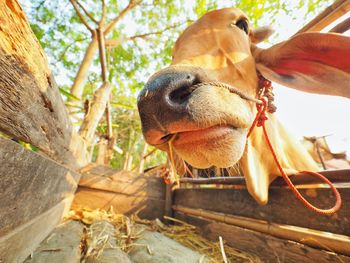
(266, 105)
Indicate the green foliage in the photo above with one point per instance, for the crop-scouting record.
(65, 40)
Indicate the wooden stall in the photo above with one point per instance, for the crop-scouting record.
(35, 188)
(38, 183)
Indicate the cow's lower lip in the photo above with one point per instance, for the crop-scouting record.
(202, 135)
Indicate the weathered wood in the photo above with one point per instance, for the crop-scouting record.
(123, 182)
(143, 206)
(17, 245)
(30, 184)
(102, 244)
(282, 207)
(128, 193)
(34, 194)
(156, 248)
(335, 176)
(62, 245)
(31, 108)
(318, 239)
(169, 196)
(267, 248)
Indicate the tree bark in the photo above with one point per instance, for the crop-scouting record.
(101, 151)
(143, 158)
(31, 108)
(93, 117)
(80, 79)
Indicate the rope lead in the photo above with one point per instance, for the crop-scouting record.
(259, 121)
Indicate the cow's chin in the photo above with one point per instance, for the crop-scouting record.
(220, 146)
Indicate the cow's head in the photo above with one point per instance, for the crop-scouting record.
(201, 102)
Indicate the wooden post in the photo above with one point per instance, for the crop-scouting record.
(169, 195)
(31, 107)
(34, 194)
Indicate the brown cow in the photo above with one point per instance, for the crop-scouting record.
(204, 101)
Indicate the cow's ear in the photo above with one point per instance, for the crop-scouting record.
(258, 35)
(310, 62)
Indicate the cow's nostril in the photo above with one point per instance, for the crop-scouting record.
(166, 138)
(167, 93)
(184, 90)
(180, 94)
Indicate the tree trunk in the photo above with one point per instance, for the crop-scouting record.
(31, 108)
(126, 160)
(143, 158)
(110, 150)
(129, 165)
(101, 151)
(93, 117)
(80, 79)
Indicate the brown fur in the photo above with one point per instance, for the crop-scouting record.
(223, 52)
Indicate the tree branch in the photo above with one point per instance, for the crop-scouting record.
(112, 43)
(63, 53)
(87, 13)
(40, 4)
(82, 19)
(98, 106)
(102, 53)
(104, 13)
(113, 22)
(341, 27)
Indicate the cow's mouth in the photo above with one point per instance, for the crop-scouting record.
(219, 145)
(199, 136)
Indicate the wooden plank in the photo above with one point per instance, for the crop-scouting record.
(282, 208)
(267, 248)
(335, 176)
(169, 195)
(311, 237)
(30, 184)
(31, 107)
(128, 193)
(123, 182)
(22, 241)
(145, 207)
(62, 245)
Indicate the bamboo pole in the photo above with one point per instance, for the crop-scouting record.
(336, 176)
(329, 15)
(319, 239)
(341, 27)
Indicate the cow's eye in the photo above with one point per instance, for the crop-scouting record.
(243, 24)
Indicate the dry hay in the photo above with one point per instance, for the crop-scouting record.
(127, 230)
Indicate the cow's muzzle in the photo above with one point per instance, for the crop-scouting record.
(164, 100)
